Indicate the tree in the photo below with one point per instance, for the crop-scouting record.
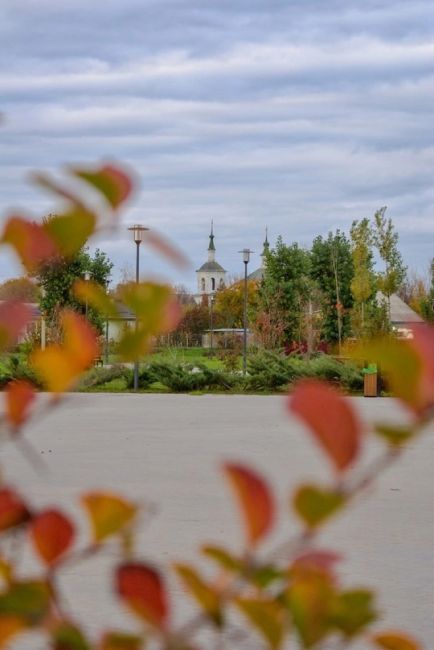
(386, 241)
(287, 278)
(229, 303)
(19, 289)
(332, 269)
(56, 278)
(363, 282)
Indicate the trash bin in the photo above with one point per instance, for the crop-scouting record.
(370, 384)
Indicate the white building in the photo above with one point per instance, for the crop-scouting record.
(211, 275)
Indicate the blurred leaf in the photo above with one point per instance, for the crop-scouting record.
(223, 558)
(14, 316)
(59, 366)
(29, 601)
(310, 598)
(112, 182)
(52, 534)
(423, 344)
(317, 560)
(108, 513)
(10, 626)
(19, 396)
(395, 641)
(31, 242)
(13, 510)
(49, 183)
(255, 500)
(352, 611)
(331, 419)
(141, 587)
(163, 246)
(265, 575)
(95, 295)
(205, 595)
(120, 641)
(394, 435)
(314, 505)
(6, 570)
(133, 344)
(70, 231)
(68, 637)
(267, 617)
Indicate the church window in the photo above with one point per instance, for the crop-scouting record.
(202, 283)
(212, 284)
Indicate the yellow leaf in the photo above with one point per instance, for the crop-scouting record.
(95, 295)
(108, 513)
(267, 617)
(395, 641)
(203, 593)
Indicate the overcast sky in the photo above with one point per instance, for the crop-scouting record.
(297, 114)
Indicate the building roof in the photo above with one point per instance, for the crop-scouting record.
(257, 275)
(211, 266)
(400, 312)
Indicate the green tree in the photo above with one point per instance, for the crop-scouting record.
(386, 241)
(287, 278)
(363, 282)
(333, 270)
(56, 279)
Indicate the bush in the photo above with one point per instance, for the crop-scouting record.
(267, 371)
(16, 367)
(187, 377)
(99, 376)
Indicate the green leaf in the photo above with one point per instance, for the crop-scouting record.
(309, 599)
(223, 558)
(267, 617)
(352, 611)
(315, 505)
(112, 182)
(70, 231)
(263, 576)
(69, 637)
(395, 435)
(203, 593)
(29, 601)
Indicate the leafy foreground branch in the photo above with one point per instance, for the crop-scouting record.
(289, 597)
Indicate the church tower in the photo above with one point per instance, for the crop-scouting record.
(211, 276)
(259, 274)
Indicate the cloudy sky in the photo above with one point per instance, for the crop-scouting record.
(297, 114)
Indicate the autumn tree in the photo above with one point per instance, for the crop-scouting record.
(333, 270)
(19, 289)
(386, 242)
(363, 285)
(229, 303)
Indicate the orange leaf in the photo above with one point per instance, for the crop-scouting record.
(95, 295)
(141, 587)
(330, 418)
(13, 510)
(109, 514)
(395, 641)
(14, 316)
(32, 243)
(9, 627)
(52, 534)
(19, 396)
(255, 499)
(80, 338)
(111, 181)
(60, 365)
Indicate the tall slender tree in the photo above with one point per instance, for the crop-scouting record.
(363, 282)
(386, 241)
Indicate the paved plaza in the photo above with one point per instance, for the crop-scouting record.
(165, 450)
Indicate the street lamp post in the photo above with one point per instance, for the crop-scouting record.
(106, 337)
(137, 231)
(87, 278)
(246, 257)
(212, 300)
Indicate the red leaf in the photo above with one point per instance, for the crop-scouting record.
(142, 589)
(32, 243)
(19, 396)
(115, 185)
(318, 560)
(423, 344)
(14, 316)
(255, 499)
(330, 418)
(13, 510)
(52, 534)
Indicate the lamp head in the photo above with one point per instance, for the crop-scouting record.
(138, 232)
